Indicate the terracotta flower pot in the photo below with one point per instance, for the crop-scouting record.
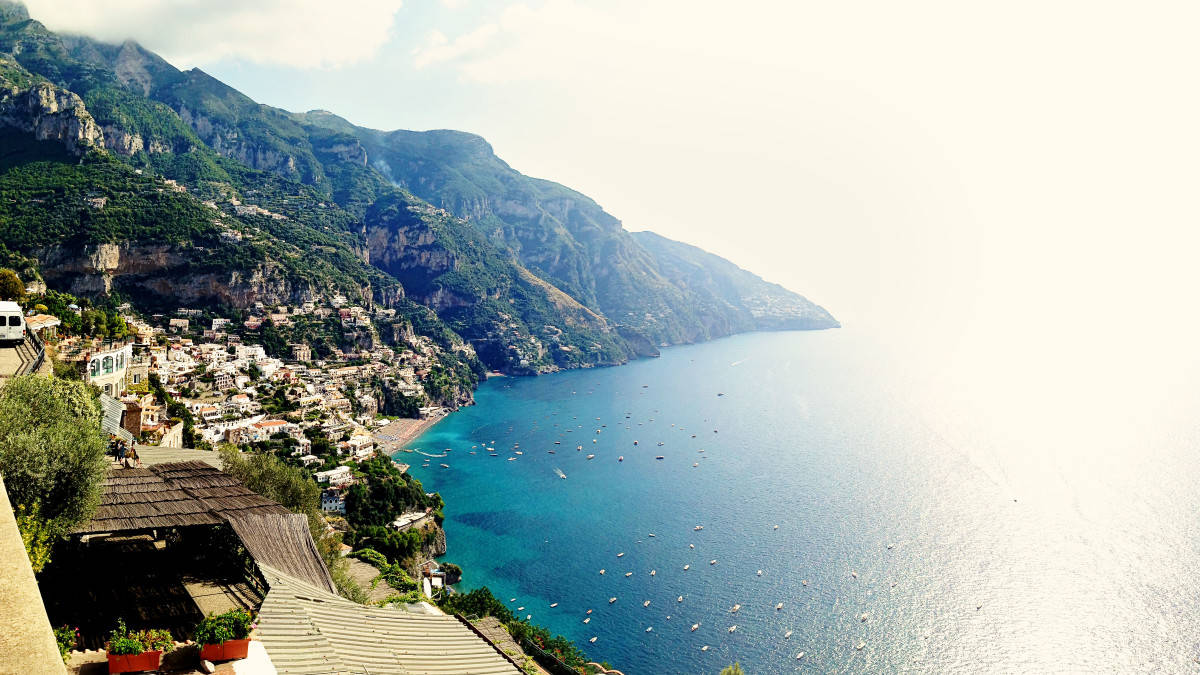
(229, 649)
(132, 663)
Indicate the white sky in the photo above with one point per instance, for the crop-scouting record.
(1003, 190)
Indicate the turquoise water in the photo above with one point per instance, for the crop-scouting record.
(814, 435)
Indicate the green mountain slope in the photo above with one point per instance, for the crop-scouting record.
(535, 275)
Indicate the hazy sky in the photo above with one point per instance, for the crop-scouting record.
(1007, 187)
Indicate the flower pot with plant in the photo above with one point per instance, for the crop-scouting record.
(225, 636)
(133, 651)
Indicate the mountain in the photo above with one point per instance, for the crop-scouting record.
(236, 202)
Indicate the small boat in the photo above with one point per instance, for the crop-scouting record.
(579, 447)
(660, 444)
(652, 572)
(520, 608)
(589, 611)
(720, 393)
(528, 617)
(658, 457)
(776, 527)
(587, 620)
(518, 452)
(787, 635)
(695, 626)
(646, 603)
(691, 546)
(734, 609)
(444, 466)
(712, 562)
(704, 648)
(553, 604)
(695, 464)
(512, 600)
(679, 599)
(512, 459)
(733, 628)
(629, 574)
(891, 546)
(649, 628)
(635, 442)
(611, 600)
(602, 571)
(854, 574)
(558, 442)
(592, 640)
(651, 534)
(591, 456)
(759, 573)
(697, 528)
(621, 458)
(800, 656)
(860, 645)
(621, 554)
(804, 582)
(863, 617)
(687, 567)
(778, 606)
(492, 454)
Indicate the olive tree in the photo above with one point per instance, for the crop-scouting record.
(52, 451)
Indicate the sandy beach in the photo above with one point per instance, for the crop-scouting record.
(398, 434)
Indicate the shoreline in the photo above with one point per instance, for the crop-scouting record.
(394, 436)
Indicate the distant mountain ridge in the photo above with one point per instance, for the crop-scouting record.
(533, 275)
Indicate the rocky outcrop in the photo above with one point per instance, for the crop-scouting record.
(49, 113)
(128, 144)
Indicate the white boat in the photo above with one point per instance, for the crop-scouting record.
(652, 534)
(712, 562)
(777, 527)
(646, 603)
(860, 645)
(734, 609)
(621, 458)
(695, 464)
(589, 611)
(587, 620)
(611, 600)
(704, 648)
(649, 628)
(760, 573)
(679, 599)
(444, 466)
(520, 609)
(691, 546)
(697, 528)
(652, 572)
(591, 456)
(592, 640)
(863, 617)
(620, 554)
(804, 582)
(554, 604)
(787, 635)
(695, 626)
(629, 574)
(800, 656)
(778, 606)
(687, 567)
(512, 459)
(733, 628)
(513, 600)
(602, 571)
(854, 574)
(518, 452)
(560, 474)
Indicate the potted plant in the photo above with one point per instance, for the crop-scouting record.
(132, 651)
(225, 636)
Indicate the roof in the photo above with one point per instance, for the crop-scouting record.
(10, 306)
(308, 630)
(39, 321)
(152, 455)
(27, 642)
(110, 422)
(173, 494)
(283, 541)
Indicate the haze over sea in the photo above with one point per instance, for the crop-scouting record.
(1004, 556)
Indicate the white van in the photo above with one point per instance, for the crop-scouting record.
(12, 322)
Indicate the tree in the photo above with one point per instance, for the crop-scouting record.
(52, 453)
(735, 669)
(11, 287)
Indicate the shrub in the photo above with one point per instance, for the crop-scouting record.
(67, 638)
(125, 641)
(235, 624)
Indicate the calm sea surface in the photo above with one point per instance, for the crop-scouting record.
(890, 547)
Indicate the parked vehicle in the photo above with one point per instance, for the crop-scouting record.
(12, 322)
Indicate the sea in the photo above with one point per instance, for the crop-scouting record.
(799, 478)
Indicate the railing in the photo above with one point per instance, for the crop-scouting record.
(34, 344)
(552, 664)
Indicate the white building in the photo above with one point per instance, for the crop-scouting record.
(107, 368)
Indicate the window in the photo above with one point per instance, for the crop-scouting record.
(14, 321)
(108, 364)
(137, 377)
(108, 389)
(121, 360)
(95, 367)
